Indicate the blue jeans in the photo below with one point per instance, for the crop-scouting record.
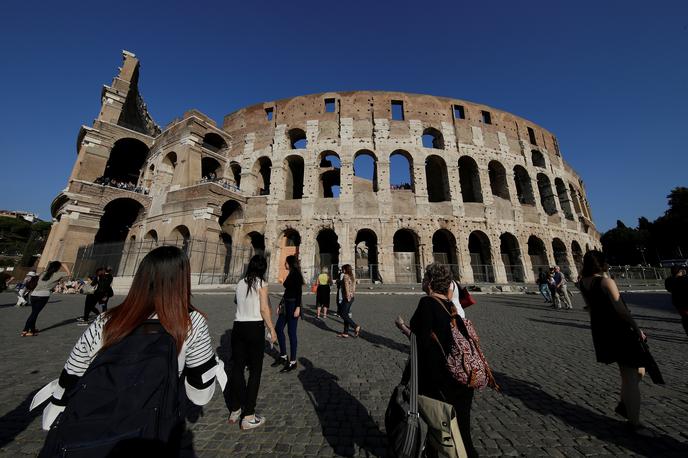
(344, 311)
(286, 318)
(544, 290)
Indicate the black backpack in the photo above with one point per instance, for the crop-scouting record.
(126, 404)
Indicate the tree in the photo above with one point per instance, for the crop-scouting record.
(664, 238)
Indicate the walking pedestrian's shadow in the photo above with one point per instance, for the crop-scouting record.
(345, 422)
(602, 427)
(563, 323)
(17, 420)
(311, 318)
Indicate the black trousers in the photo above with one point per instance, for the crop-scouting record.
(248, 343)
(90, 306)
(37, 304)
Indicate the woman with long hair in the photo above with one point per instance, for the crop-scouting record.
(289, 312)
(41, 295)
(615, 334)
(348, 292)
(253, 314)
(160, 290)
(322, 294)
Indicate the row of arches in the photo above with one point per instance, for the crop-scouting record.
(437, 179)
(430, 138)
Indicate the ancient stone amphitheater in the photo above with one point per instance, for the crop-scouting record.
(384, 181)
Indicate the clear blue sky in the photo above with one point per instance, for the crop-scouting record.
(609, 78)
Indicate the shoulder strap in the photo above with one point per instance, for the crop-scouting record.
(413, 402)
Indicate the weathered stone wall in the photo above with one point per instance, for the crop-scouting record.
(360, 122)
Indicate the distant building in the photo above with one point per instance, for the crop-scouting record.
(27, 216)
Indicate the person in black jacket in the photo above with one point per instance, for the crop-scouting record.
(92, 298)
(677, 285)
(434, 316)
(289, 312)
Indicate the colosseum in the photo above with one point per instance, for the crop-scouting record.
(384, 181)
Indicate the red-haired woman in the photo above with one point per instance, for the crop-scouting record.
(161, 290)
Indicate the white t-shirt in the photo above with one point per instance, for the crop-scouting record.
(248, 305)
(455, 299)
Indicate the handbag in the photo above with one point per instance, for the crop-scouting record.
(466, 362)
(650, 364)
(406, 430)
(465, 298)
(314, 287)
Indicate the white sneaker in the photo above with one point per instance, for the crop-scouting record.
(234, 417)
(255, 422)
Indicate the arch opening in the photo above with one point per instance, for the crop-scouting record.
(577, 254)
(481, 257)
(432, 138)
(151, 236)
(444, 250)
(124, 163)
(262, 170)
(564, 201)
(181, 235)
(327, 253)
(469, 177)
(235, 168)
(256, 240)
(538, 255)
(293, 182)
(214, 142)
(330, 175)
(524, 187)
(210, 169)
(498, 183)
(546, 194)
(118, 218)
(297, 139)
(437, 179)
(511, 257)
(561, 257)
(407, 267)
(574, 198)
(290, 243)
(366, 256)
(538, 159)
(365, 172)
(401, 171)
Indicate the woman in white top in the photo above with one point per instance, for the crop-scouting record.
(248, 337)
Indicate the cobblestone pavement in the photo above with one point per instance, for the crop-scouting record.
(556, 400)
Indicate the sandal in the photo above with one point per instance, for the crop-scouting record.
(28, 334)
(358, 331)
(343, 335)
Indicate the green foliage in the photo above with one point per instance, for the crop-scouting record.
(19, 237)
(664, 238)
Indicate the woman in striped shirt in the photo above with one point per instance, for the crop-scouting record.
(161, 290)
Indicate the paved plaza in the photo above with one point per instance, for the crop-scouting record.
(555, 400)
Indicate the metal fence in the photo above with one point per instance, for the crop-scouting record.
(627, 274)
(211, 262)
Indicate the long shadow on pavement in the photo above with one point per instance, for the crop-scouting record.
(604, 428)
(562, 323)
(17, 420)
(60, 324)
(345, 422)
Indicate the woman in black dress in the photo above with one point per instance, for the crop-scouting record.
(615, 334)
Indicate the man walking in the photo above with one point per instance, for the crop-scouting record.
(543, 286)
(561, 289)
